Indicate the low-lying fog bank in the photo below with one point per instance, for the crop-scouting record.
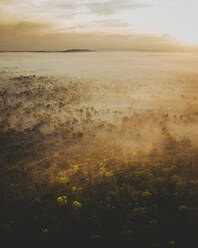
(65, 140)
(53, 114)
(68, 107)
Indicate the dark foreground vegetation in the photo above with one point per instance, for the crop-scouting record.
(82, 180)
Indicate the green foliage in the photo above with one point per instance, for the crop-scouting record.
(64, 179)
(95, 188)
(77, 204)
(62, 200)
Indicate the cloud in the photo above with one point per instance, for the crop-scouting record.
(65, 10)
(112, 6)
(112, 23)
(104, 26)
(99, 7)
(65, 5)
(8, 29)
(72, 28)
(48, 24)
(7, 1)
(42, 36)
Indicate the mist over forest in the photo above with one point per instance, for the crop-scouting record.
(99, 159)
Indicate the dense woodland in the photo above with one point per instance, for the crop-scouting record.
(73, 172)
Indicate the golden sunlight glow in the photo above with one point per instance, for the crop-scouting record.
(176, 19)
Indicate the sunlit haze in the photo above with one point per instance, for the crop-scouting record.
(99, 24)
(99, 123)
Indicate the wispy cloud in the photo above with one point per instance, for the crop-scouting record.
(23, 28)
(113, 6)
(111, 26)
(38, 36)
(122, 18)
(112, 23)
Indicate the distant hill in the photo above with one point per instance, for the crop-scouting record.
(46, 51)
(77, 51)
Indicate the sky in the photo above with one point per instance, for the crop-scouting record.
(98, 24)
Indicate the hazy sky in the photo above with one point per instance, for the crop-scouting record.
(98, 24)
